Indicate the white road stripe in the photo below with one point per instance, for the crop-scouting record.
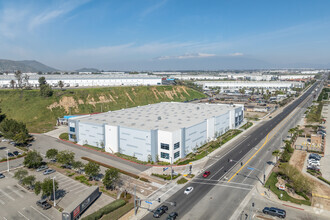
(8, 187)
(7, 195)
(5, 218)
(216, 172)
(23, 215)
(76, 187)
(2, 202)
(217, 184)
(167, 191)
(40, 212)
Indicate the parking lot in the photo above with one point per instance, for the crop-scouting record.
(4, 146)
(18, 203)
(70, 189)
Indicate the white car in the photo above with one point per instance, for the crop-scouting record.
(314, 162)
(188, 190)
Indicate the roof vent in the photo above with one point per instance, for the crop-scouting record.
(159, 118)
(198, 108)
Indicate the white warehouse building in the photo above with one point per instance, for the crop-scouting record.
(165, 131)
(251, 84)
(87, 80)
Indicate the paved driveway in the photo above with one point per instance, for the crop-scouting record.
(43, 142)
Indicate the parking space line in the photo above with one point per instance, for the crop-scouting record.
(5, 218)
(66, 184)
(23, 215)
(25, 190)
(7, 195)
(75, 187)
(216, 172)
(61, 177)
(8, 187)
(80, 191)
(2, 202)
(40, 212)
(65, 181)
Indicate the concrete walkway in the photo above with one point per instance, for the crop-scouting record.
(59, 130)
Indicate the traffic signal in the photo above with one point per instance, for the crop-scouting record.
(252, 204)
(159, 200)
(241, 163)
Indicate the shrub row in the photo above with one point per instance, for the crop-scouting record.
(64, 136)
(182, 180)
(108, 166)
(106, 209)
(324, 180)
(165, 176)
(118, 213)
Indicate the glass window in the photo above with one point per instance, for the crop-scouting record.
(164, 155)
(176, 145)
(176, 154)
(72, 129)
(164, 146)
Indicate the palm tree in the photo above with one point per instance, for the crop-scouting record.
(292, 131)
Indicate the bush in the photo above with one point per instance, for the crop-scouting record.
(64, 136)
(117, 214)
(165, 176)
(324, 180)
(105, 210)
(144, 179)
(182, 180)
(108, 166)
(83, 180)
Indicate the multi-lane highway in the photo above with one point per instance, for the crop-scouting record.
(222, 168)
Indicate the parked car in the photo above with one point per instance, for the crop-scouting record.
(41, 168)
(49, 171)
(311, 167)
(4, 140)
(274, 212)
(10, 154)
(2, 176)
(12, 142)
(188, 190)
(323, 131)
(322, 127)
(43, 204)
(312, 155)
(316, 162)
(17, 153)
(160, 211)
(172, 216)
(67, 166)
(206, 174)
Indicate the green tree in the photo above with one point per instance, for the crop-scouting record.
(10, 128)
(77, 165)
(19, 77)
(51, 153)
(20, 174)
(12, 84)
(21, 138)
(42, 81)
(61, 84)
(65, 157)
(47, 186)
(33, 159)
(29, 180)
(92, 169)
(2, 116)
(37, 187)
(110, 178)
(46, 90)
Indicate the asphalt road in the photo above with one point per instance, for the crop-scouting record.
(221, 167)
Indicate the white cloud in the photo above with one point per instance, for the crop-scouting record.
(10, 21)
(53, 13)
(187, 56)
(153, 8)
(236, 54)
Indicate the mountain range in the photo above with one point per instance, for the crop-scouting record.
(24, 66)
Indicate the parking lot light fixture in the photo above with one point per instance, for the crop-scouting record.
(7, 161)
(54, 196)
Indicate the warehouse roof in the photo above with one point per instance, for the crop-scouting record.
(167, 116)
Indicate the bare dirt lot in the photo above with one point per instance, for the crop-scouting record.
(298, 158)
(255, 114)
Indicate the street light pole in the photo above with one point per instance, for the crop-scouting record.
(7, 161)
(54, 191)
(171, 169)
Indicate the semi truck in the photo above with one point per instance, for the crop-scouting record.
(75, 209)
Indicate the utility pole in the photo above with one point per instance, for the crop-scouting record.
(54, 191)
(7, 161)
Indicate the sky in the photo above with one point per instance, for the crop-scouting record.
(167, 34)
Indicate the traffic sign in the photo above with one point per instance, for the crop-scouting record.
(164, 169)
(148, 202)
(250, 168)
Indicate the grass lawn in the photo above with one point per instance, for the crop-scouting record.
(118, 213)
(272, 180)
(29, 107)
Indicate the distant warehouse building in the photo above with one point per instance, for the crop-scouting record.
(167, 130)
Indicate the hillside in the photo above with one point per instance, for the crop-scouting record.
(24, 66)
(40, 113)
(93, 70)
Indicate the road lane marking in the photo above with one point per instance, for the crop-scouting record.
(5, 218)
(217, 184)
(216, 172)
(2, 202)
(8, 187)
(23, 215)
(266, 141)
(40, 212)
(167, 191)
(7, 195)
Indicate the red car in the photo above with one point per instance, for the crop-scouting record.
(206, 174)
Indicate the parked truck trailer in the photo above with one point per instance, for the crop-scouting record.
(75, 209)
